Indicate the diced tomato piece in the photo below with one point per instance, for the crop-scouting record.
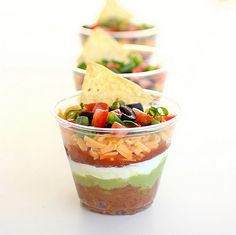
(102, 106)
(142, 118)
(167, 118)
(100, 118)
(117, 125)
(93, 106)
(112, 66)
(89, 107)
(117, 112)
(138, 69)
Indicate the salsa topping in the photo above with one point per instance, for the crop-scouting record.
(118, 24)
(134, 65)
(118, 115)
(109, 101)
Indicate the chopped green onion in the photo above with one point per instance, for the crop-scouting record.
(164, 111)
(82, 120)
(118, 62)
(152, 111)
(160, 111)
(137, 60)
(128, 67)
(150, 67)
(144, 26)
(155, 122)
(117, 104)
(103, 62)
(72, 115)
(82, 65)
(111, 118)
(114, 22)
(129, 123)
(81, 105)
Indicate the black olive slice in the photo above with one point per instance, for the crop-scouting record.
(136, 105)
(127, 113)
(87, 114)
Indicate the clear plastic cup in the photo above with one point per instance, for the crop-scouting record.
(116, 171)
(154, 79)
(142, 37)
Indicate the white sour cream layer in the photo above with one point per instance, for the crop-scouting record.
(141, 168)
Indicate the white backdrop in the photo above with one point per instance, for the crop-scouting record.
(38, 47)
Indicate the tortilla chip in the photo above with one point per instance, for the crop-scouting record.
(100, 45)
(113, 9)
(102, 85)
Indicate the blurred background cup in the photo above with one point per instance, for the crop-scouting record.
(154, 79)
(116, 171)
(146, 37)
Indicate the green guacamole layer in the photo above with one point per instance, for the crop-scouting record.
(140, 181)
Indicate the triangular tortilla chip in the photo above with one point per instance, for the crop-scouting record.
(113, 9)
(102, 85)
(100, 45)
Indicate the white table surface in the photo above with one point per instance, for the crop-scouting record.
(197, 194)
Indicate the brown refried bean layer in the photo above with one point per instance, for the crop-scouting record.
(121, 201)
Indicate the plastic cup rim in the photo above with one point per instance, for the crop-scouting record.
(125, 34)
(128, 75)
